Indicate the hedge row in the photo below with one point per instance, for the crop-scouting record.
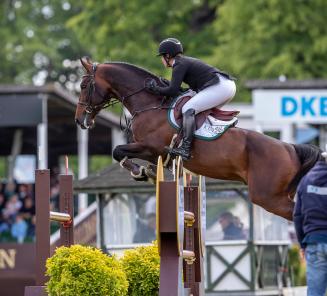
(87, 271)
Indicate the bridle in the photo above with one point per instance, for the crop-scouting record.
(110, 101)
(89, 108)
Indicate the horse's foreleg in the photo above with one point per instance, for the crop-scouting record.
(123, 153)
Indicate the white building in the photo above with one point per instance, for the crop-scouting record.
(294, 111)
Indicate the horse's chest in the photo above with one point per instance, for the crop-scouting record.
(140, 131)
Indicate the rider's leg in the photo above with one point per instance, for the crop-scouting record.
(210, 97)
(188, 131)
(213, 96)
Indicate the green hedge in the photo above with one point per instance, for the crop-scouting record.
(142, 267)
(85, 271)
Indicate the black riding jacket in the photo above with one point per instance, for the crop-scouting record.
(197, 74)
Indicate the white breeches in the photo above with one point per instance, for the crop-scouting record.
(215, 95)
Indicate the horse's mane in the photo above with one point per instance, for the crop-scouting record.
(141, 71)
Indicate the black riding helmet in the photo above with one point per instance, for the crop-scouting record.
(171, 46)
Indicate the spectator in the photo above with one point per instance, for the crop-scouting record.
(2, 202)
(23, 192)
(3, 222)
(310, 219)
(16, 204)
(28, 212)
(28, 209)
(12, 208)
(146, 229)
(10, 189)
(4, 227)
(19, 229)
(231, 226)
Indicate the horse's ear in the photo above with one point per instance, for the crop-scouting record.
(87, 64)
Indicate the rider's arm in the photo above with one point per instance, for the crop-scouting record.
(178, 74)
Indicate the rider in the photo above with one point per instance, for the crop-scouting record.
(214, 88)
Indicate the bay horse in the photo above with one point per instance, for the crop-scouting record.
(271, 168)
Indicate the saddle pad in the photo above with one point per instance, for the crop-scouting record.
(209, 129)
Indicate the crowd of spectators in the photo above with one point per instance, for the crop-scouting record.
(17, 210)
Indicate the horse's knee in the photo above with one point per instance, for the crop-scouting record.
(118, 154)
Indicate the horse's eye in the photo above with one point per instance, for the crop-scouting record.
(83, 86)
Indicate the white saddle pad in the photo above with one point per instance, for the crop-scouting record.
(211, 128)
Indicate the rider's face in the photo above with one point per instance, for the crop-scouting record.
(167, 61)
(164, 61)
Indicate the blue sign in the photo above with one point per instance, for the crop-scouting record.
(304, 106)
(293, 106)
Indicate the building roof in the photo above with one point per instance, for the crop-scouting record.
(60, 93)
(62, 129)
(287, 84)
(115, 179)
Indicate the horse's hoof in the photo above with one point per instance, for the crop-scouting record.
(145, 174)
(141, 179)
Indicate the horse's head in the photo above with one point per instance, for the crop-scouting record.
(98, 88)
(95, 94)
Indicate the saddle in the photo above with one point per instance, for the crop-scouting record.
(201, 117)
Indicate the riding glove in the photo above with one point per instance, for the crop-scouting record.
(152, 86)
(164, 81)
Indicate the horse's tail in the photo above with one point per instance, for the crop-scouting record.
(308, 156)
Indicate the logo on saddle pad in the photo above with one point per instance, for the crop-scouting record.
(210, 124)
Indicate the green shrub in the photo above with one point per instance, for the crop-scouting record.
(297, 266)
(142, 267)
(83, 271)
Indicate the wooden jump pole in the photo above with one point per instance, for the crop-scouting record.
(180, 218)
(43, 217)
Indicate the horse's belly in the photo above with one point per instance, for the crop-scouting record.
(216, 172)
(225, 158)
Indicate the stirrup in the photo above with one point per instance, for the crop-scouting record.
(174, 153)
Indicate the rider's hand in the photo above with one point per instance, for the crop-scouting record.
(164, 81)
(151, 86)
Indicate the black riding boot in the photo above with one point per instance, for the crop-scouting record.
(188, 129)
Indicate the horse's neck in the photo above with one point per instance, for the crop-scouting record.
(130, 84)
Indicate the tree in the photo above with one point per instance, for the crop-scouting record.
(269, 38)
(43, 39)
(131, 30)
(37, 46)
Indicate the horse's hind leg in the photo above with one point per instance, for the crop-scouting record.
(283, 207)
(268, 189)
(279, 204)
